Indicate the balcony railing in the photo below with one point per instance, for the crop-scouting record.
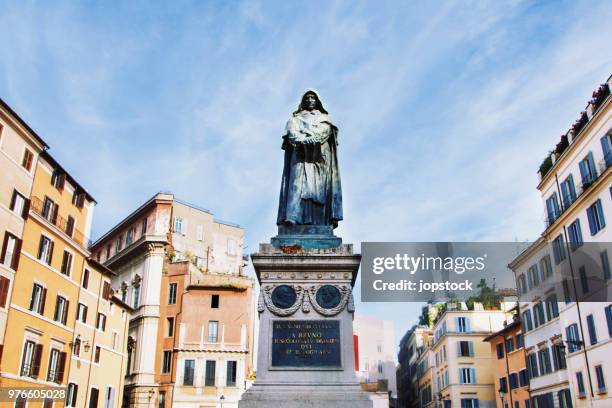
(580, 188)
(38, 206)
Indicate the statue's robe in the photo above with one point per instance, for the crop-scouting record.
(310, 189)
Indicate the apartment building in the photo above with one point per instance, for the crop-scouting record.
(410, 347)
(375, 350)
(464, 365)
(50, 264)
(190, 336)
(19, 150)
(425, 376)
(510, 370)
(575, 186)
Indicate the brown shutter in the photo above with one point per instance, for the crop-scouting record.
(84, 314)
(62, 366)
(32, 297)
(4, 287)
(4, 245)
(81, 200)
(23, 358)
(13, 199)
(86, 278)
(51, 246)
(104, 323)
(74, 396)
(65, 316)
(40, 246)
(55, 313)
(61, 181)
(26, 208)
(106, 291)
(37, 357)
(55, 212)
(42, 302)
(16, 255)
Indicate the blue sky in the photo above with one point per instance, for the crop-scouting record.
(445, 109)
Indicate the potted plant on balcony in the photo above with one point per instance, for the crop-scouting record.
(599, 95)
(579, 124)
(545, 166)
(562, 145)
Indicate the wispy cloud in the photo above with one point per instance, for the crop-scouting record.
(445, 110)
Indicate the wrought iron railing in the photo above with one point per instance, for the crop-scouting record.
(38, 206)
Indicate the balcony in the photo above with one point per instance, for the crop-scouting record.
(37, 206)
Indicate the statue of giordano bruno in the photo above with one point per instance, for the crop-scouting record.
(310, 190)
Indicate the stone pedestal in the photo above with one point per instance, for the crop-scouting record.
(306, 350)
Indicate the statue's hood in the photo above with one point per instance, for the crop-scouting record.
(314, 91)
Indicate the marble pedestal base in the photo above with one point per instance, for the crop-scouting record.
(306, 396)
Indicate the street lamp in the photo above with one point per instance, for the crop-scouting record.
(222, 399)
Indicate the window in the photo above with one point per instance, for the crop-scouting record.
(212, 331)
(546, 267)
(568, 191)
(85, 280)
(93, 398)
(519, 340)
(167, 361)
(513, 380)
(588, 172)
(566, 292)
(178, 225)
(71, 395)
(465, 348)
(467, 376)
(66, 263)
(101, 322)
(28, 158)
(109, 401)
(200, 233)
(580, 384)
(558, 352)
(172, 293)
(37, 301)
(30, 361)
(118, 243)
(188, 372)
(605, 265)
(45, 250)
(527, 323)
(575, 235)
(61, 310)
(143, 227)
(601, 382)
(606, 145)
(11, 249)
(522, 284)
(534, 278)
(523, 378)
(129, 238)
(565, 398)
(50, 210)
(170, 326)
(532, 364)
(161, 402)
(552, 307)
(5, 284)
(573, 338)
(544, 360)
(468, 403)
(82, 313)
(503, 384)
(47, 403)
(70, 226)
(106, 291)
(500, 351)
(97, 354)
(76, 348)
(558, 245)
(538, 314)
(463, 325)
(509, 345)
(584, 281)
(18, 204)
(591, 326)
(209, 378)
(214, 301)
(596, 218)
(56, 363)
(135, 297)
(58, 179)
(552, 208)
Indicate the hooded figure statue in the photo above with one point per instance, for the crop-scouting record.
(310, 188)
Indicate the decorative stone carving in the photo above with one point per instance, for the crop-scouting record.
(260, 302)
(267, 295)
(345, 292)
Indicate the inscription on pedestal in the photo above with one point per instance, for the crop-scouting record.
(306, 343)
